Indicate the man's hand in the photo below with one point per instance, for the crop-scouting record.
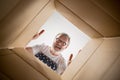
(38, 34)
(70, 59)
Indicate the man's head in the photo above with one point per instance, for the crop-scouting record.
(61, 42)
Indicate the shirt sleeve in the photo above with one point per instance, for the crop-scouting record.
(61, 66)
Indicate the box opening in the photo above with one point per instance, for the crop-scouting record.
(57, 24)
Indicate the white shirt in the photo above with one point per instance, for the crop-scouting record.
(46, 50)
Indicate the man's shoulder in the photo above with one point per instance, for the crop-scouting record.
(41, 45)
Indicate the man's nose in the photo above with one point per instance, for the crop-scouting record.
(60, 44)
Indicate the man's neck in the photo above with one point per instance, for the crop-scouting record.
(54, 52)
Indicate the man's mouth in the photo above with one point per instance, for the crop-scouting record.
(58, 47)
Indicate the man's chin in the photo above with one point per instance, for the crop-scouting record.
(57, 50)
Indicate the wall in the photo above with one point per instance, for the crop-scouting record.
(95, 18)
(23, 21)
(99, 60)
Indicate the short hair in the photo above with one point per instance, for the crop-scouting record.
(64, 34)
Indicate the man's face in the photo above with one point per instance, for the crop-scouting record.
(60, 43)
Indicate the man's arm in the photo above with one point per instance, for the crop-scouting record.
(29, 49)
(38, 34)
(70, 59)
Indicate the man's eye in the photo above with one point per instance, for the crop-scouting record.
(64, 43)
